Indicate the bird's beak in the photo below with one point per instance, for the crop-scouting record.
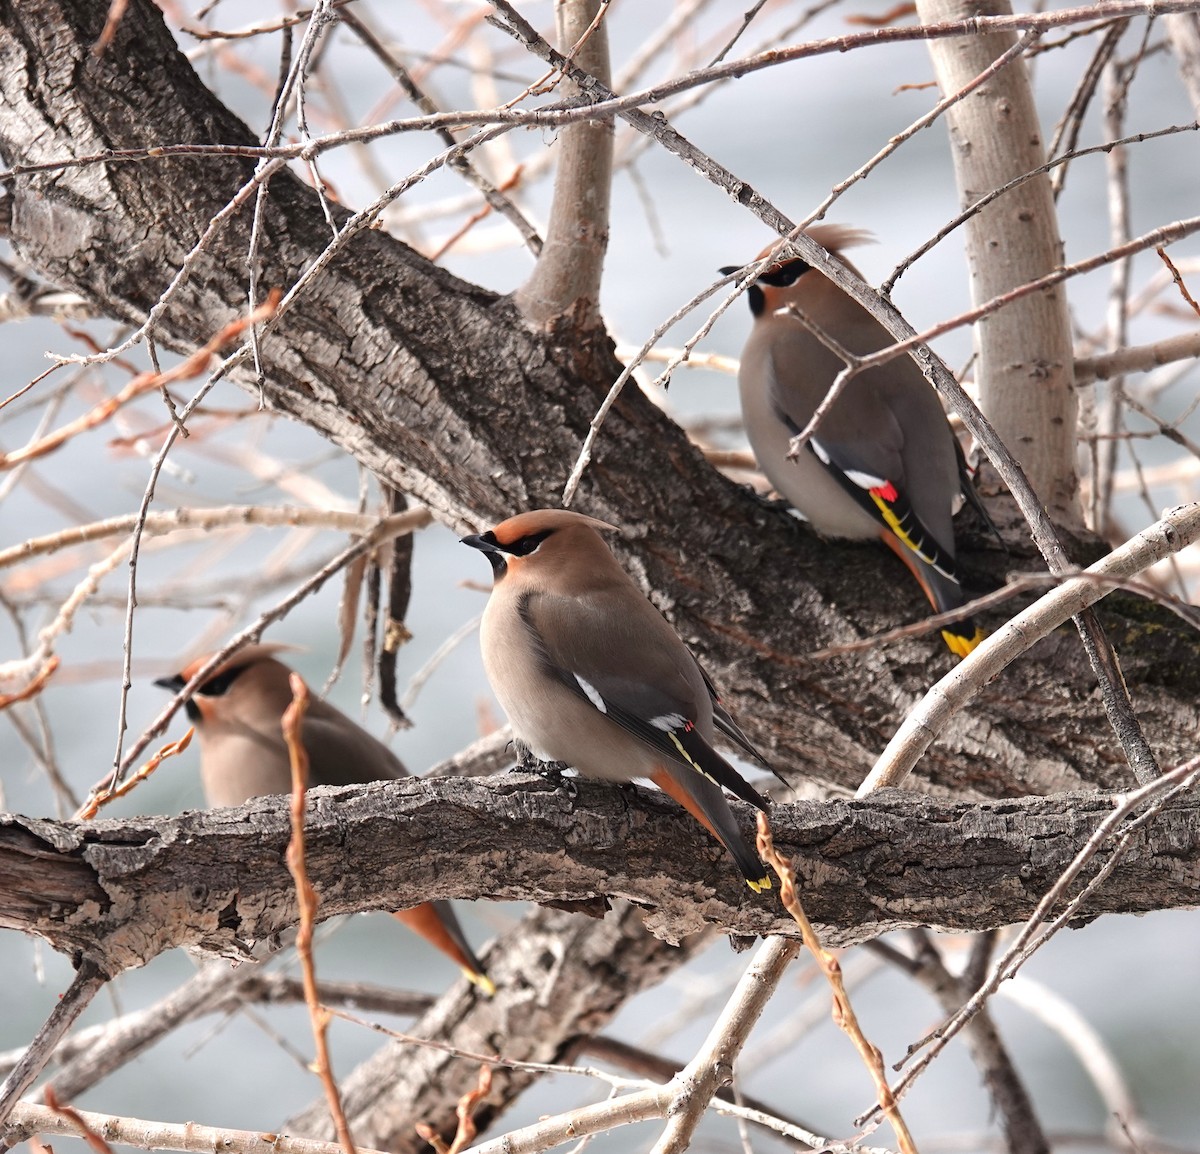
(174, 684)
(485, 542)
(730, 269)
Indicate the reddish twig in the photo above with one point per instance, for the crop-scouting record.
(104, 796)
(308, 901)
(1178, 279)
(191, 366)
(73, 1116)
(485, 211)
(465, 1134)
(116, 12)
(33, 688)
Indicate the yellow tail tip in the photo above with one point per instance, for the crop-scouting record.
(960, 646)
(485, 984)
(763, 883)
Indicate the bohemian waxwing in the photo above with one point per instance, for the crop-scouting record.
(591, 674)
(884, 461)
(238, 715)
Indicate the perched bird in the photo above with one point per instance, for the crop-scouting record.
(883, 462)
(591, 674)
(238, 714)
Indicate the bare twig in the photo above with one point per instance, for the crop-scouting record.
(564, 113)
(98, 800)
(1137, 358)
(1153, 796)
(1023, 1132)
(466, 1130)
(35, 685)
(145, 382)
(221, 517)
(1084, 1040)
(70, 1114)
(493, 195)
(29, 1119)
(692, 1090)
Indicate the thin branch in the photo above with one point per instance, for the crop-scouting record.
(566, 113)
(1137, 358)
(104, 796)
(1179, 528)
(564, 286)
(1155, 795)
(1017, 584)
(221, 517)
(70, 1114)
(88, 981)
(843, 1011)
(977, 205)
(494, 196)
(694, 1087)
(191, 366)
(1023, 1132)
(1089, 1048)
(28, 1119)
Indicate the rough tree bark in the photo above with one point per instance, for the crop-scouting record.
(438, 387)
(441, 389)
(118, 893)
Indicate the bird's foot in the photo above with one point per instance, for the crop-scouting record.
(555, 772)
(764, 501)
(626, 791)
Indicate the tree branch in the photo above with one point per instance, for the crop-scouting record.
(119, 893)
(564, 288)
(921, 727)
(404, 365)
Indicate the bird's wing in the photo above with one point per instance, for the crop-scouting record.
(862, 446)
(626, 662)
(725, 723)
(341, 752)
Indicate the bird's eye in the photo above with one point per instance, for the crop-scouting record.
(523, 546)
(786, 274)
(218, 686)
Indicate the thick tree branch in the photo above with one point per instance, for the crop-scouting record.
(564, 288)
(119, 893)
(439, 387)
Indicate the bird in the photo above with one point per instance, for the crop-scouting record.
(591, 674)
(883, 461)
(238, 714)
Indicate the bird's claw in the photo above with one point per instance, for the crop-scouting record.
(553, 771)
(766, 502)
